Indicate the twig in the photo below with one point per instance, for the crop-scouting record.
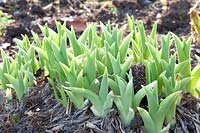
(197, 125)
(184, 128)
(187, 115)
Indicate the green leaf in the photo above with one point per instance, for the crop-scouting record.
(90, 39)
(183, 68)
(94, 99)
(165, 47)
(163, 109)
(171, 115)
(36, 39)
(151, 91)
(126, 115)
(137, 98)
(195, 79)
(127, 99)
(100, 67)
(126, 66)
(182, 84)
(57, 93)
(148, 122)
(122, 87)
(3, 70)
(124, 47)
(115, 64)
(183, 48)
(55, 49)
(153, 33)
(130, 116)
(108, 63)
(89, 95)
(77, 48)
(77, 99)
(47, 32)
(168, 86)
(156, 56)
(85, 33)
(115, 41)
(42, 53)
(103, 92)
(63, 50)
(71, 76)
(137, 54)
(90, 67)
(15, 85)
(143, 40)
(131, 25)
(113, 85)
(107, 34)
(108, 102)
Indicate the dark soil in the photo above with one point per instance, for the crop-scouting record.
(40, 112)
(138, 72)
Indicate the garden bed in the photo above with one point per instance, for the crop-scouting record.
(39, 111)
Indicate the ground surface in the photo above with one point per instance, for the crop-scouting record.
(40, 112)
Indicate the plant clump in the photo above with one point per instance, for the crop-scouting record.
(96, 69)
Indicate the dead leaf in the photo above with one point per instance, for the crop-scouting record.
(5, 45)
(56, 128)
(195, 22)
(78, 24)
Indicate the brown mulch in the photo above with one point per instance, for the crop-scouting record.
(40, 112)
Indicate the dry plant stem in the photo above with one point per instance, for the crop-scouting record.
(183, 127)
(197, 125)
(188, 115)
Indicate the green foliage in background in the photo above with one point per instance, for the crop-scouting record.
(5, 20)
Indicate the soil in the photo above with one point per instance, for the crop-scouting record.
(40, 112)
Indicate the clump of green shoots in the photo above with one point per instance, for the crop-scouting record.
(17, 74)
(95, 68)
